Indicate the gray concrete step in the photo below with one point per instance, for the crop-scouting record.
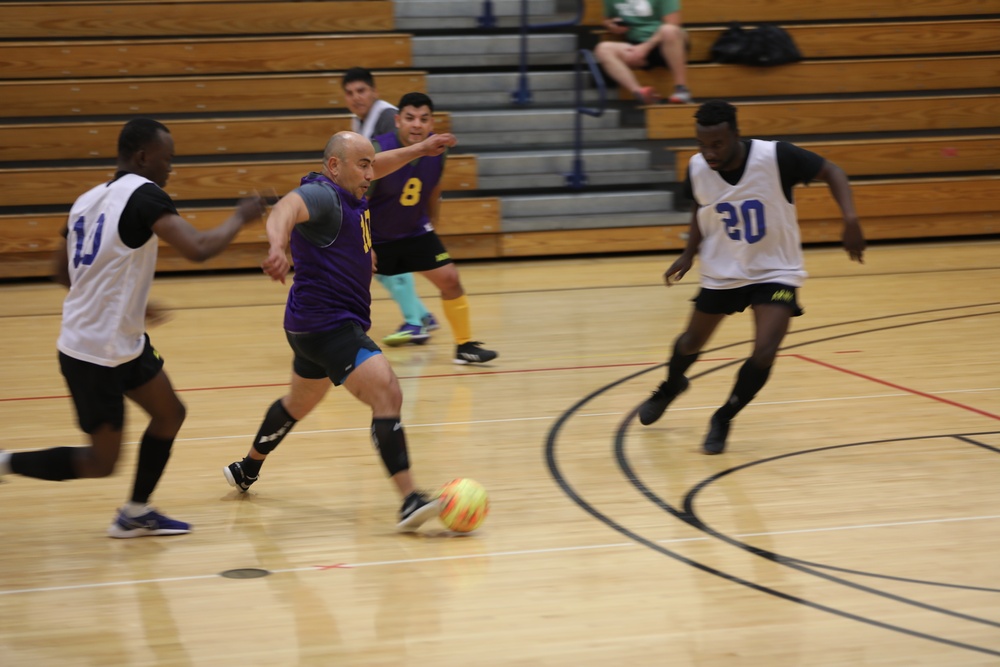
(525, 163)
(505, 121)
(619, 219)
(499, 82)
(490, 50)
(494, 89)
(586, 203)
(557, 179)
(475, 141)
(452, 14)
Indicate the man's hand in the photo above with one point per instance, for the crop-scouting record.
(438, 143)
(276, 265)
(251, 209)
(854, 241)
(677, 270)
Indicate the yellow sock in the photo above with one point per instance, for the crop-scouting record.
(457, 312)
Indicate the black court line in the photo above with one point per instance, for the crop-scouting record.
(687, 516)
(691, 517)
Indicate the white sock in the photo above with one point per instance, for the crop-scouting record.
(5, 463)
(133, 510)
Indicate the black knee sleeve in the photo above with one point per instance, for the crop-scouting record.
(390, 441)
(277, 423)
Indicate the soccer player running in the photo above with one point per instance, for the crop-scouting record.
(404, 207)
(373, 116)
(107, 259)
(326, 225)
(744, 228)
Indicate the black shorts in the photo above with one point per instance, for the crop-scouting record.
(331, 354)
(655, 57)
(729, 301)
(99, 391)
(417, 253)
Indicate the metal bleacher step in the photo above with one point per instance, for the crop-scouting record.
(547, 169)
(536, 128)
(547, 223)
(556, 179)
(492, 50)
(494, 89)
(505, 121)
(575, 204)
(454, 15)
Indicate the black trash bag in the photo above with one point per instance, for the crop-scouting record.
(763, 46)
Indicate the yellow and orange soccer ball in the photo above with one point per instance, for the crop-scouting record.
(464, 505)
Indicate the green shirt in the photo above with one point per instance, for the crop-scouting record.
(642, 17)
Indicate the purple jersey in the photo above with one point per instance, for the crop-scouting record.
(399, 201)
(331, 253)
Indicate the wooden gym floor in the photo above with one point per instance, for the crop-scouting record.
(855, 519)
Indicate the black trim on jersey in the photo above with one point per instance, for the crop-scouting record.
(146, 205)
(795, 165)
(326, 213)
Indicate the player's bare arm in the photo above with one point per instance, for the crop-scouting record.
(387, 162)
(840, 188)
(288, 212)
(197, 245)
(683, 264)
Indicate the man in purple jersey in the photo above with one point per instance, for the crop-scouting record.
(404, 207)
(325, 224)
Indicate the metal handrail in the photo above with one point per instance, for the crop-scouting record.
(577, 179)
(522, 95)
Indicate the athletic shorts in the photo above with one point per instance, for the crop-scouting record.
(655, 57)
(417, 253)
(99, 391)
(729, 301)
(331, 354)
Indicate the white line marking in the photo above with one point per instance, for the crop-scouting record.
(496, 554)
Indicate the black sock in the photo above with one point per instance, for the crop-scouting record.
(749, 381)
(153, 456)
(251, 467)
(679, 363)
(55, 465)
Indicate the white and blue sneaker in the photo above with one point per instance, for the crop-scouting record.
(149, 524)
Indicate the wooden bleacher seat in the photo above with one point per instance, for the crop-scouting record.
(831, 77)
(197, 94)
(788, 11)
(889, 209)
(45, 59)
(58, 20)
(839, 116)
(53, 186)
(845, 40)
(470, 227)
(909, 155)
(192, 136)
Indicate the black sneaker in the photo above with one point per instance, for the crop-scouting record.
(235, 476)
(718, 431)
(654, 406)
(416, 510)
(473, 352)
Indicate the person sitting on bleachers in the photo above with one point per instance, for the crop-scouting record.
(653, 38)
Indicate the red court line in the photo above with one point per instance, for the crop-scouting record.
(555, 369)
(894, 386)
